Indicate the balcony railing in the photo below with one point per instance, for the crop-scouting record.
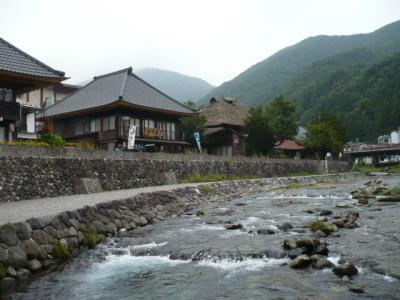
(10, 110)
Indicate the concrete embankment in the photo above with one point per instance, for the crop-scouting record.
(41, 243)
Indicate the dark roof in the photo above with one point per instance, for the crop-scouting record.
(121, 85)
(225, 110)
(15, 60)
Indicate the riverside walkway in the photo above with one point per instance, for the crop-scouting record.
(20, 211)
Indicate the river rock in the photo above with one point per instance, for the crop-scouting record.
(41, 237)
(23, 230)
(319, 234)
(31, 248)
(8, 284)
(285, 226)
(347, 269)
(99, 227)
(3, 253)
(34, 265)
(357, 288)
(300, 262)
(11, 272)
(321, 250)
(8, 235)
(322, 263)
(17, 257)
(293, 253)
(51, 231)
(23, 274)
(325, 212)
(266, 231)
(234, 227)
(38, 223)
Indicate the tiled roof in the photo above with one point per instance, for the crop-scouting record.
(289, 145)
(15, 60)
(120, 85)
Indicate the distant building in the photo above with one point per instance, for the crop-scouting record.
(223, 133)
(290, 148)
(301, 133)
(395, 136)
(384, 139)
(20, 73)
(101, 113)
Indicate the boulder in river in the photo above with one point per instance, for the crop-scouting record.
(347, 269)
(234, 227)
(323, 226)
(300, 262)
(325, 212)
(322, 263)
(357, 288)
(285, 226)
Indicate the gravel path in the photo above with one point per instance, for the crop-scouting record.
(22, 210)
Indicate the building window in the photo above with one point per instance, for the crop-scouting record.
(6, 95)
(95, 125)
(109, 123)
(167, 130)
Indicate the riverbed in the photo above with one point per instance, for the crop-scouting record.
(196, 257)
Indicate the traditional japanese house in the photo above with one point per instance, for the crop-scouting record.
(101, 113)
(290, 148)
(223, 133)
(19, 73)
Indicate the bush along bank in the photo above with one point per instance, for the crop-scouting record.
(39, 244)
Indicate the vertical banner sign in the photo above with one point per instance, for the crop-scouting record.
(196, 135)
(131, 137)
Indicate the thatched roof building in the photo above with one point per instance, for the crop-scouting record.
(223, 128)
(225, 111)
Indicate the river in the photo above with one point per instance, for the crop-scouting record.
(196, 257)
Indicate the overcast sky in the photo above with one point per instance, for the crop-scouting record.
(211, 39)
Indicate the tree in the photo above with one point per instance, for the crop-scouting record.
(190, 104)
(260, 139)
(281, 115)
(191, 124)
(322, 138)
(269, 124)
(336, 123)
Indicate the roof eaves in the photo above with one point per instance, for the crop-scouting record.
(59, 73)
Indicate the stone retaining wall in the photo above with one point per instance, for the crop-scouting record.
(24, 178)
(42, 243)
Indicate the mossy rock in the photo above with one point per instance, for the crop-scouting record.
(60, 250)
(2, 271)
(323, 226)
(363, 201)
(205, 188)
(200, 213)
(92, 239)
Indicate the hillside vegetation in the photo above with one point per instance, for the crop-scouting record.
(353, 76)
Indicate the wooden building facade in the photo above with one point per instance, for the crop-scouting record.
(101, 113)
(19, 73)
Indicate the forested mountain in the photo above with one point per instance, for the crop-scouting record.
(261, 82)
(178, 86)
(366, 98)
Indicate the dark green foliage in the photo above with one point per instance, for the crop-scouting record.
(60, 250)
(191, 124)
(199, 213)
(282, 118)
(269, 124)
(322, 138)
(2, 271)
(92, 239)
(267, 78)
(54, 140)
(260, 139)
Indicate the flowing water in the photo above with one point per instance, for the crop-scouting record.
(191, 257)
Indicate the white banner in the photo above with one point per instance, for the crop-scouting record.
(131, 137)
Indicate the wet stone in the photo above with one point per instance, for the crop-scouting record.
(8, 235)
(11, 272)
(23, 274)
(8, 284)
(347, 269)
(31, 248)
(285, 226)
(23, 230)
(300, 262)
(34, 265)
(16, 257)
(357, 288)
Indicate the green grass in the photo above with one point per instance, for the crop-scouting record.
(92, 239)
(60, 251)
(195, 178)
(395, 191)
(388, 169)
(301, 174)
